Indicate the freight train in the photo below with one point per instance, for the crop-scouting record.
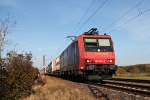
(90, 56)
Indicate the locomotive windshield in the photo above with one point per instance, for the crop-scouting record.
(98, 44)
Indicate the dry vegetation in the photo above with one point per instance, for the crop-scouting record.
(19, 75)
(58, 89)
(140, 71)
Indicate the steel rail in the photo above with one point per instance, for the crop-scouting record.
(134, 87)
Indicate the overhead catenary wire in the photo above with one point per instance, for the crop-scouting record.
(85, 14)
(133, 18)
(123, 15)
(139, 14)
(98, 9)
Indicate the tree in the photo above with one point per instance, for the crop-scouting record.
(5, 25)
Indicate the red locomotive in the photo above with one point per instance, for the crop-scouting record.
(89, 56)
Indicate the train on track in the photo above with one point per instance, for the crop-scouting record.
(90, 56)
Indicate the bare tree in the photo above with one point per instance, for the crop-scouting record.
(5, 25)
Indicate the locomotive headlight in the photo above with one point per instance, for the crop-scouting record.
(110, 61)
(82, 67)
(88, 60)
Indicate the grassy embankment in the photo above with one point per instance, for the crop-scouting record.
(58, 89)
(139, 71)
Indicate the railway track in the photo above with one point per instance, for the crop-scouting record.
(120, 89)
(97, 92)
(134, 87)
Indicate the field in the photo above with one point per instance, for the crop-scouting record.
(58, 89)
(139, 71)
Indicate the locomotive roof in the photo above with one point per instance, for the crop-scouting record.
(96, 36)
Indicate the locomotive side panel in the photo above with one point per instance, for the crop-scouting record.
(61, 61)
(69, 59)
(73, 57)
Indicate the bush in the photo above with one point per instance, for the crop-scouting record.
(120, 71)
(21, 75)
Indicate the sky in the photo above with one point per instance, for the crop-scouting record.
(43, 25)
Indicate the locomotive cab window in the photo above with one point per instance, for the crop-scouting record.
(91, 44)
(104, 42)
(98, 45)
